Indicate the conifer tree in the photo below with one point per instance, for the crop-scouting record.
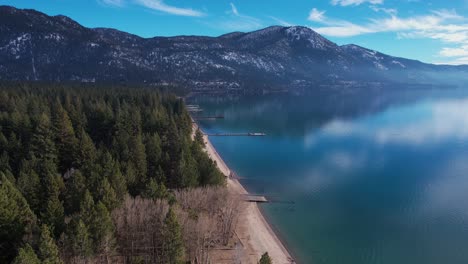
(86, 150)
(53, 214)
(75, 188)
(16, 219)
(48, 251)
(199, 137)
(117, 181)
(187, 171)
(30, 185)
(108, 195)
(26, 255)
(153, 153)
(4, 162)
(138, 158)
(265, 259)
(155, 190)
(173, 242)
(42, 142)
(65, 139)
(87, 208)
(79, 239)
(102, 229)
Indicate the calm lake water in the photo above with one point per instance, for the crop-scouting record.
(358, 176)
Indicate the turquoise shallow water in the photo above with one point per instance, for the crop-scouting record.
(357, 177)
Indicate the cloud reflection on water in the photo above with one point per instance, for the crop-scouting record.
(428, 122)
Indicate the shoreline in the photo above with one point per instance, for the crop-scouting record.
(253, 229)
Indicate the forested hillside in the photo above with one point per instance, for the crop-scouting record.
(35, 46)
(75, 162)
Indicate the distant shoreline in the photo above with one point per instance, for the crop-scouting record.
(255, 232)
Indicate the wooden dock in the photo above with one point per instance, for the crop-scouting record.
(255, 198)
(256, 134)
(209, 117)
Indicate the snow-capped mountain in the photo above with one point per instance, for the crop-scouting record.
(35, 46)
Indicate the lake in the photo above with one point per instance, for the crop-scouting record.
(356, 176)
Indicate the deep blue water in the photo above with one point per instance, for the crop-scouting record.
(358, 177)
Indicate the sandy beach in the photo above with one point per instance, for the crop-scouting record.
(254, 232)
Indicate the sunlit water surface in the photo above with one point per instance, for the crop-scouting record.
(357, 177)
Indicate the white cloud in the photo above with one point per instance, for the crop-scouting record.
(234, 9)
(455, 52)
(443, 25)
(238, 21)
(159, 5)
(355, 2)
(316, 16)
(389, 11)
(118, 3)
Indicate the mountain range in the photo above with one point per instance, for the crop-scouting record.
(35, 46)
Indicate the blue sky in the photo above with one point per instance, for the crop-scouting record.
(431, 31)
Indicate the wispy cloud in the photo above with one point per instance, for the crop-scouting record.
(443, 25)
(236, 21)
(355, 2)
(234, 9)
(389, 11)
(281, 22)
(117, 3)
(316, 15)
(159, 5)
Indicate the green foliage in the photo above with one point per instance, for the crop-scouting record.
(102, 229)
(265, 259)
(78, 239)
(26, 255)
(53, 214)
(153, 153)
(42, 142)
(29, 184)
(76, 152)
(199, 137)
(107, 195)
(155, 190)
(16, 219)
(86, 151)
(75, 187)
(173, 238)
(48, 251)
(87, 208)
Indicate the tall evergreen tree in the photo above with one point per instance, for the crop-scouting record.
(53, 215)
(87, 208)
(102, 230)
(108, 195)
(75, 189)
(26, 255)
(138, 159)
(153, 153)
(86, 150)
(117, 182)
(173, 243)
(65, 139)
(16, 219)
(48, 251)
(79, 240)
(155, 190)
(42, 142)
(187, 172)
(29, 184)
